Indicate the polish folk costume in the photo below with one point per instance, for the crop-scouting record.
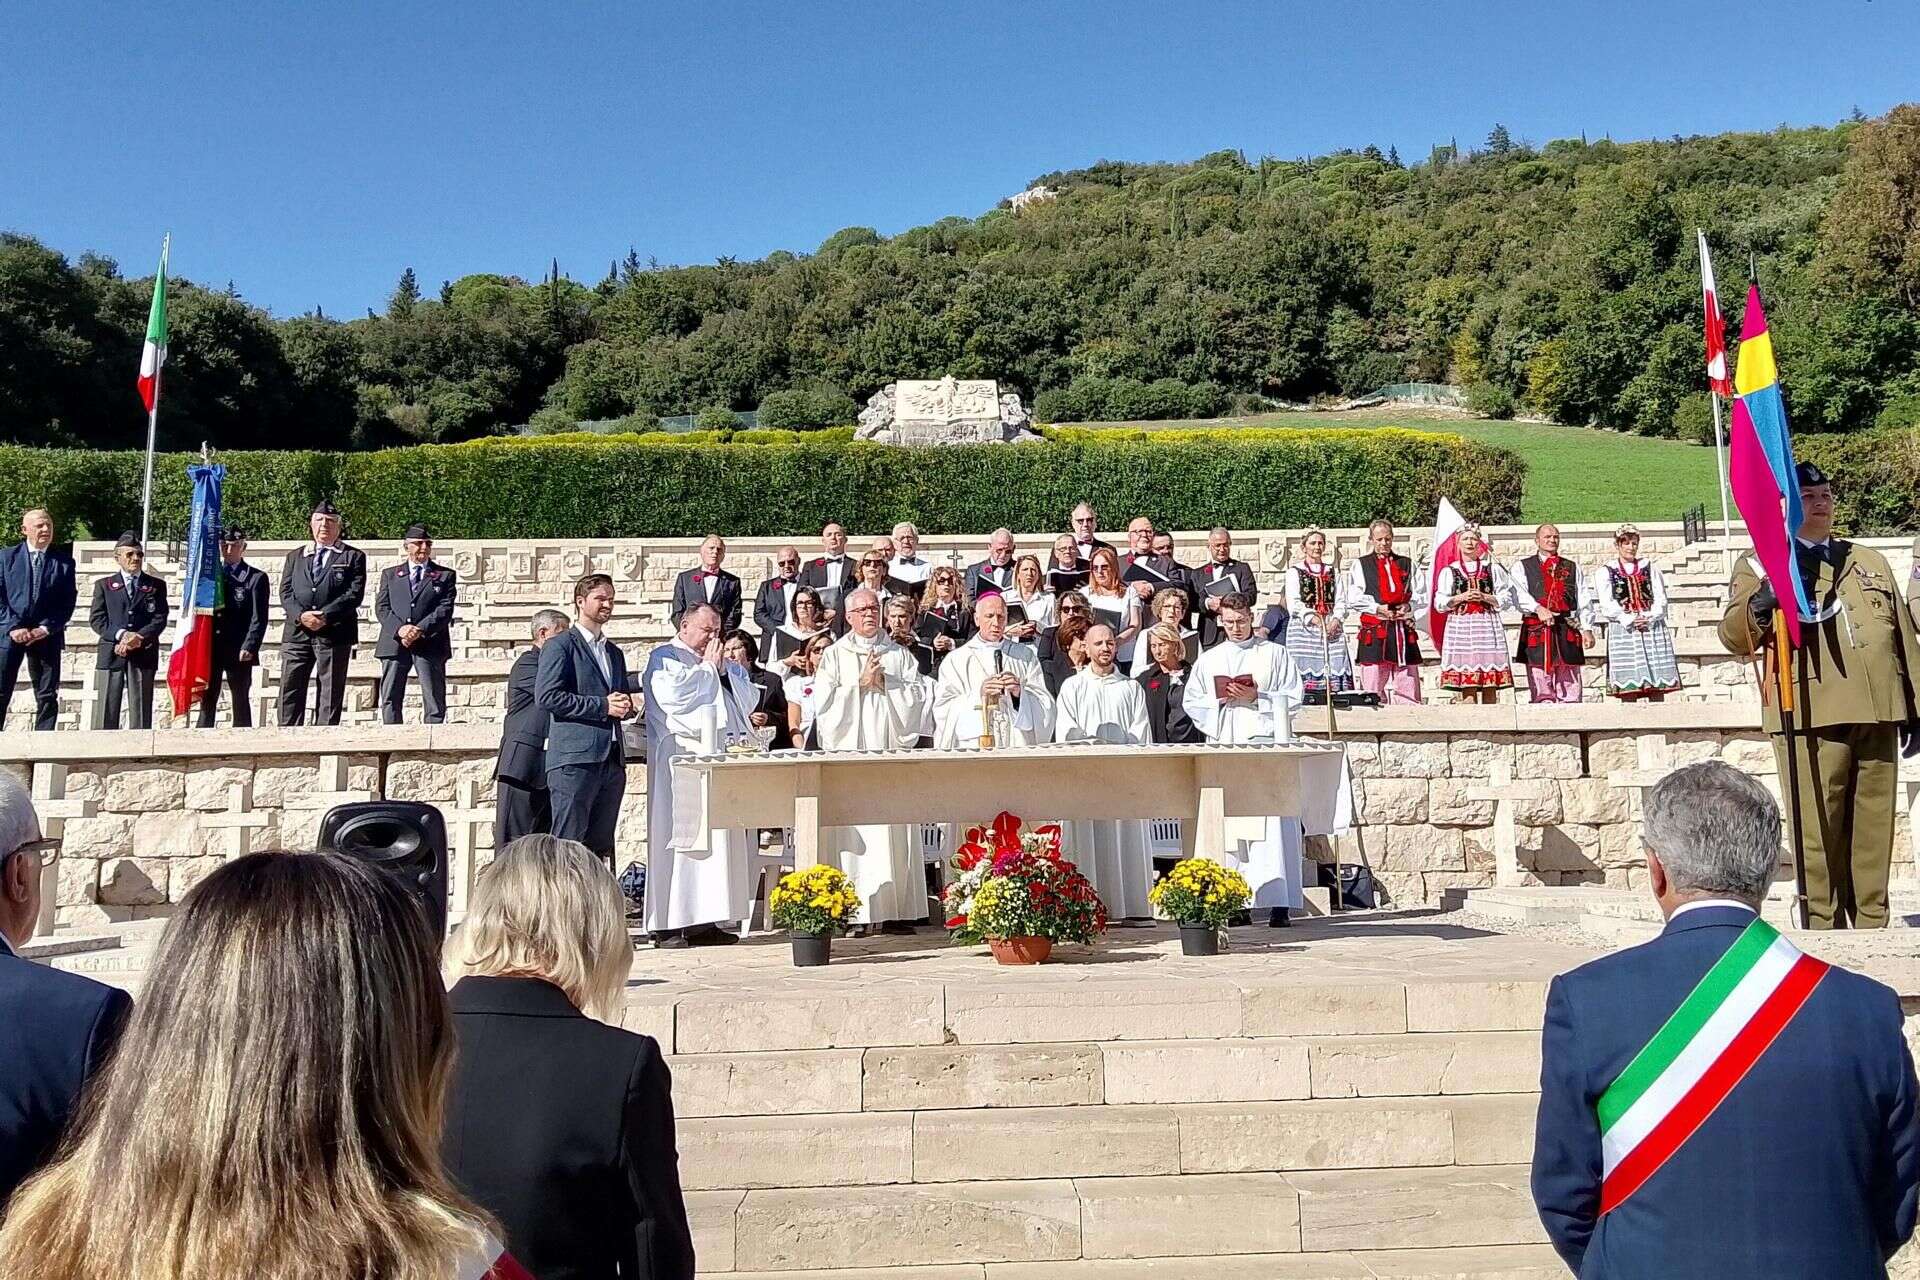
(1552, 651)
(1313, 607)
(1473, 657)
(1640, 661)
(1380, 591)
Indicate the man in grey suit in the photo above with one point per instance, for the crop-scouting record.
(521, 802)
(583, 684)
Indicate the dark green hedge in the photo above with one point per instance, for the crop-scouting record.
(608, 488)
(1876, 478)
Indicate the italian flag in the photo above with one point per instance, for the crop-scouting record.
(154, 353)
(1705, 1049)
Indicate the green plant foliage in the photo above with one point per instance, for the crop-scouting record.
(1876, 478)
(767, 483)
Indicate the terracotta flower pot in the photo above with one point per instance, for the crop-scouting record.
(810, 950)
(1021, 950)
(1199, 940)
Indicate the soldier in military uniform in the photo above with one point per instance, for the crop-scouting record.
(1855, 709)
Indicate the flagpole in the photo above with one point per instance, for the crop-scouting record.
(1720, 469)
(1781, 653)
(153, 415)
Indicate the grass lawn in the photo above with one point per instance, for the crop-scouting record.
(1574, 474)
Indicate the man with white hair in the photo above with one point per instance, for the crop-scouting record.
(1713, 1100)
(907, 571)
(868, 695)
(994, 575)
(1100, 704)
(55, 1028)
(991, 686)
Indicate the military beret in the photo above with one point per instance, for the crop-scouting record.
(325, 508)
(417, 532)
(1811, 475)
(127, 539)
(232, 533)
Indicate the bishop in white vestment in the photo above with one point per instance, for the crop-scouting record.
(690, 711)
(990, 659)
(1099, 704)
(869, 695)
(1265, 850)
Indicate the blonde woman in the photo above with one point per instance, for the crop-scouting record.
(1168, 608)
(559, 1123)
(1030, 595)
(274, 1109)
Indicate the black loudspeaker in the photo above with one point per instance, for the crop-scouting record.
(406, 840)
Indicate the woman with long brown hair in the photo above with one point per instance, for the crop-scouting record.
(1113, 601)
(274, 1109)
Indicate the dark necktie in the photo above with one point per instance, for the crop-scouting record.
(415, 584)
(33, 577)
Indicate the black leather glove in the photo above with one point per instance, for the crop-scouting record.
(1910, 739)
(1760, 608)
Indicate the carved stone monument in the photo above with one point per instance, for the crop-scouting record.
(944, 411)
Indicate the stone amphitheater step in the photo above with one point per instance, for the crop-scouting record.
(1064, 1220)
(1505, 1262)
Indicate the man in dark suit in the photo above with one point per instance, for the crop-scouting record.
(583, 684)
(1084, 521)
(773, 603)
(321, 588)
(56, 1029)
(414, 605)
(129, 612)
(239, 629)
(994, 575)
(1714, 1101)
(1219, 577)
(709, 584)
(521, 802)
(38, 591)
(830, 573)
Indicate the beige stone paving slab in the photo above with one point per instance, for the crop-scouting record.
(1266, 1266)
(710, 1216)
(953, 1076)
(1504, 1005)
(925, 1224)
(1325, 1008)
(789, 1151)
(650, 1017)
(1112, 1011)
(1482, 1262)
(1416, 1208)
(1205, 1070)
(1494, 1128)
(790, 1082)
(961, 1271)
(851, 1019)
(1270, 1136)
(1045, 1142)
(1358, 1066)
(1190, 1216)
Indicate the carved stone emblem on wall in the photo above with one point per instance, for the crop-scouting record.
(945, 410)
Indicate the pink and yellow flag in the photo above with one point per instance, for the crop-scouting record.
(1760, 465)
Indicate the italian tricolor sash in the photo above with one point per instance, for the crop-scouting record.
(1709, 1044)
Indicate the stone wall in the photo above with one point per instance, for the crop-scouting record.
(142, 816)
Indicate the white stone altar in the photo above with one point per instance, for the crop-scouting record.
(1202, 784)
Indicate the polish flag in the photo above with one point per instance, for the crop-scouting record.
(1718, 376)
(1447, 524)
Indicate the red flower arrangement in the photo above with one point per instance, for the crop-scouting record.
(1012, 883)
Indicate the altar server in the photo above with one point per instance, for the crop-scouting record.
(1244, 690)
(990, 664)
(1101, 704)
(1553, 620)
(1474, 662)
(868, 695)
(1630, 597)
(690, 710)
(1315, 638)
(1382, 594)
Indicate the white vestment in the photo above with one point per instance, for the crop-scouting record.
(1112, 854)
(883, 862)
(956, 699)
(1265, 850)
(690, 712)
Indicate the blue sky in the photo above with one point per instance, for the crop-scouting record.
(308, 152)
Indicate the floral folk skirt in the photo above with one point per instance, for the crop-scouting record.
(1474, 655)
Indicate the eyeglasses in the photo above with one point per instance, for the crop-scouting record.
(44, 851)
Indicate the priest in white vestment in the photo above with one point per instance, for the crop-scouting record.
(1099, 704)
(1257, 709)
(691, 711)
(991, 663)
(868, 695)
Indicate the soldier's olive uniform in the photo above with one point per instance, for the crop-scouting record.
(1854, 680)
